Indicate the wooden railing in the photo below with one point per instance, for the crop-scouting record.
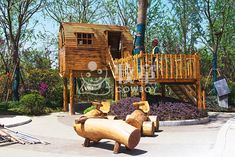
(157, 67)
(111, 64)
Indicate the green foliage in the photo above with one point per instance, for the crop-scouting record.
(36, 59)
(3, 106)
(212, 105)
(54, 94)
(232, 94)
(75, 11)
(88, 109)
(32, 104)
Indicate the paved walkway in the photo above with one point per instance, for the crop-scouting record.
(178, 141)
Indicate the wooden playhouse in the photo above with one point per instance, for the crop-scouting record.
(110, 47)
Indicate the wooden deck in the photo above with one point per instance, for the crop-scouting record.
(181, 72)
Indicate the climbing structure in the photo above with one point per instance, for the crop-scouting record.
(87, 49)
(181, 72)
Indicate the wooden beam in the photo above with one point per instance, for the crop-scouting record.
(71, 83)
(143, 93)
(199, 96)
(204, 99)
(65, 94)
(116, 91)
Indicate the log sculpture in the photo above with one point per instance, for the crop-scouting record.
(139, 118)
(97, 112)
(94, 129)
(136, 118)
(154, 119)
(148, 128)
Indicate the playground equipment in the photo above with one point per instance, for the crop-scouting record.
(96, 125)
(141, 120)
(95, 129)
(90, 48)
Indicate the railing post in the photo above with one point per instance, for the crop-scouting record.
(162, 65)
(157, 65)
(199, 96)
(181, 66)
(176, 67)
(166, 65)
(172, 65)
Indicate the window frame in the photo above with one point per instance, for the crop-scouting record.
(84, 38)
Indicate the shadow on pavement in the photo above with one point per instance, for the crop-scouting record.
(109, 146)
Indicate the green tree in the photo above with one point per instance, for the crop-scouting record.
(14, 20)
(82, 11)
(219, 15)
(186, 17)
(124, 13)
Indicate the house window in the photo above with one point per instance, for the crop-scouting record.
(85, 38)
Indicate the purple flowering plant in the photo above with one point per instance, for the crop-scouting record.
(43, 87)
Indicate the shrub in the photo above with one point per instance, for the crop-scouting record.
(33, 104)
(48, 83)
(166, 110)
(212, 104)
(123, 107)
(13, 104)
(232, 94)
(3, 106)
(176, 111)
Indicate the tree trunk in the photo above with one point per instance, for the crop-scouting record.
(16, 73)
(141, 23)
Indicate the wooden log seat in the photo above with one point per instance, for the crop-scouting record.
(94, 129)
(154, 119)
(148, 128)
(136, 118)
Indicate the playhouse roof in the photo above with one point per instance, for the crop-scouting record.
(69, 27)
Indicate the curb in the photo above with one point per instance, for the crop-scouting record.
(15, 121)
(185, 122)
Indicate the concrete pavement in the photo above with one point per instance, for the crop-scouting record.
(177, 141)
(12, 121)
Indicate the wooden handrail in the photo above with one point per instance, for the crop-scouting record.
(157, 66)
(111, 64)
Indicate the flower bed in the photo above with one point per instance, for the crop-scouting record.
(165, 108)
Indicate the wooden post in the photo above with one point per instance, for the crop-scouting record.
(143, 93)
(71, 82)
(157, 65)
(204, 99)
(117, 92)
(65, 94)
(199, 98)
(86, 142)
(116, 148)
(181, 66)
(172, 65)
(166, 65)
